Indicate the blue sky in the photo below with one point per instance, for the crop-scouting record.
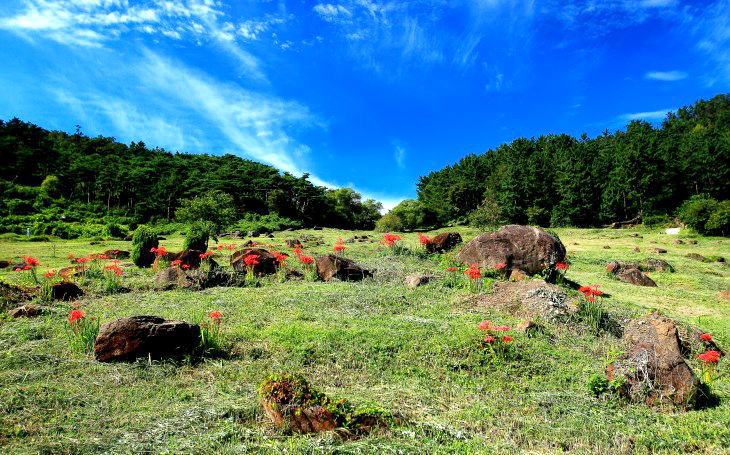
(357, 93)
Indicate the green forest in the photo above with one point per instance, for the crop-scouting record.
(72, 185)
(639, 173)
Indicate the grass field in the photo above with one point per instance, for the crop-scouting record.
(375, 342)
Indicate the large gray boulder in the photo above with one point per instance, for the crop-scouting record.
(525, 248)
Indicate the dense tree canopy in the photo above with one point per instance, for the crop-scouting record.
(560, 180)
(65, 176)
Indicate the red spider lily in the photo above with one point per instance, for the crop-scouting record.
(490, 339)
(82, 260)
(452, 269)
(206, 255)
(473, 272)
(500, 266)
(485, 325)
(306, 259)
(50, 274)
(220, 247)
(251, 260)
(390, 239)
(31, 261)
(338, 248)
(161, 251)
(710, 357)
(70, 256)
(501, 328)
(706, 337)
(591, 299)
(280, 257)
(231, 246)
(102, 257)
(115, 261)
(297, 251)
(91, 256)
(589, 291)
(562, 266)
(423, 240)
(75, 316)
(506, 338)
(216, 315)
(176, 262)
(113, 267)
(185, 266)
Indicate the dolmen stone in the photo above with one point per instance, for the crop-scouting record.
(266, 261)
(653, 370)
(28, 310)
(446, 241)
(132, 337)
(65, 290)
(331, 266)
(525, 248)
(631, 275)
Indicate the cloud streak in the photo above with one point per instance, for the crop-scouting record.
(666, 76)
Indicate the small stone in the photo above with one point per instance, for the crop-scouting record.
(416, 280)
(725, 294)
(26, 311)
(526, 326)
(658, 250)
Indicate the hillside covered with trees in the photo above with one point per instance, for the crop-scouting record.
(558, 180)
(50, 180)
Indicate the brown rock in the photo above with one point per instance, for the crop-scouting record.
(697, 257)
(631, 275)
(694, 242)
(65, 290)
(518, 275)
(606, 247)
(4, 263)
(68, 272)
(331, 266)
(654, 370)
(655, 265)
(416, 280)
(141, 336)
(446, 241)
(116, 254)
(266, 261)
(26, 311)
(531, 299)
(725, 294)
(524, 248)
(654, 377)
(658, 250)
(526, 326)
(293, 243)
(678, 242)
(637, 250)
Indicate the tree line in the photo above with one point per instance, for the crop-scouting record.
(55, 175)
(641, 172)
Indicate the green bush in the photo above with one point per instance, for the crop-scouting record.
(597, 384)
(143, 241)
(487, 215)
(719, 220)
(406, 216)
(696, 211)
(114, 230)
(197, 237)
(656, 220)
(216, 208)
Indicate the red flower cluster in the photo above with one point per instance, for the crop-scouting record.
(279, 256)
(452, 269)
(423, 240)
(50, 274)
(591, 292)
(500, 266)
(390, 239)
(706, 337)
(176, 262)
(306, 259)
(30, 263)
(117, 270)
(562, 266)
(206, 255)
(339, 246)
(251, 260)
(161, 251)
(473, 272)
(216, 315)
(76, 315)
(487, 325)
(710, 357)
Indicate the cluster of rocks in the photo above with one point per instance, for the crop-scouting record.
(628, 273)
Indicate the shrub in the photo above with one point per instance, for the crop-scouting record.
(597, 384)
(656, 220)
(115, 230)
(406, 216)
(216, 208)
(197, 237)
(719, 220)
(143, 241)
(488, 214)
(696, 211)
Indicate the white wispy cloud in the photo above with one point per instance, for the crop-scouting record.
(710, 26)
(332, 13)
(399, 153)
(667, 76)
(651, 116)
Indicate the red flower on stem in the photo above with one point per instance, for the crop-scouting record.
(500, 266)
(251, 260)
(485, 325)
(306, 259)
(176, 262)
(562, 266)
(423, 240)
(490, 339)
(338, 248)
(390, 239)
(206, 255)
(452, 269)
(31, 261)
(706, 337)
(75, 316)
(216, 315)
(506, 338)
(710, 357)
(473, 272)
